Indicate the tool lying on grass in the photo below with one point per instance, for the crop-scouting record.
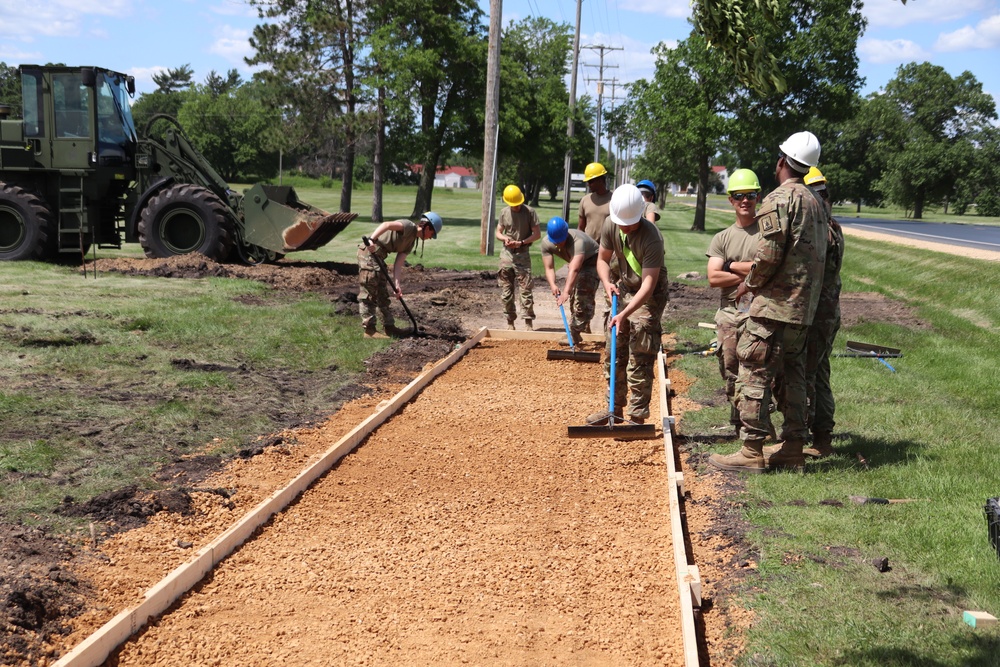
(574, 354)
(856, 349)
(865, 500)
(624, 428)
(392, 285)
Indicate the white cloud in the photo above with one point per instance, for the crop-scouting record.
(893, 13)
(57, 18)
(144, 76)
(986, 35)
(634, 61)
(234, 8)
(14, 56)
(232, 44)
(675, 9)
(881, 51)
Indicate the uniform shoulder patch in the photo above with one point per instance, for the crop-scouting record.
(768, 223)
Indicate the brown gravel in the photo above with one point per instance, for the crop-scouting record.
(434, 543)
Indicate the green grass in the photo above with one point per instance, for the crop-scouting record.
(927, 431)
(94, 392)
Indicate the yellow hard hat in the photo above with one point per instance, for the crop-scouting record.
(512, 196)
(593, 170)
(814, 177)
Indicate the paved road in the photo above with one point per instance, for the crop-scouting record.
(982, 237)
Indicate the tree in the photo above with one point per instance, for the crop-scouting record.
(10, 88)
(940, 116)
(681, 115)
(227, 128)
(534, 103)
(432, 55)
(216, 85)
(174, 80)
(309, 47)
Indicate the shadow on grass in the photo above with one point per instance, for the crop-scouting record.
(855, 451)
(977, 650)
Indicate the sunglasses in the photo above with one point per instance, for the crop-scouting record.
(740, 196)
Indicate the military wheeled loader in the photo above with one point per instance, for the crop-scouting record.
(75, 174)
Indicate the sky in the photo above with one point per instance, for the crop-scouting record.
(142, 37)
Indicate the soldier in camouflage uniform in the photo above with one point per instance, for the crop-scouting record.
(398, 236)
(592, 213)
(517, 229)
(580, 251)
(730, 258)
(823, 331)
(642, 290)
(785, 282)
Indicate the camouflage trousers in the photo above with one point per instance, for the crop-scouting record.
(515, 273)
(766, 348)
(582, 303)
(373, 295)
(727, 323)
(818, 348)
(637, 343)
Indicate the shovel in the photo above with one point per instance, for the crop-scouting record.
(574, 354)
(624, 429)
(385, 272)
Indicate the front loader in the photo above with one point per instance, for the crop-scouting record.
(74, 173)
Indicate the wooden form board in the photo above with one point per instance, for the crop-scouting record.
(688, 579)
(96, 648)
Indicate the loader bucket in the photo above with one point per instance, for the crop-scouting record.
(275, 219)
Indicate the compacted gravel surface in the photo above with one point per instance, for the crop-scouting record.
(466, 530)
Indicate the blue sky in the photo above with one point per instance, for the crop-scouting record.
(142, 37)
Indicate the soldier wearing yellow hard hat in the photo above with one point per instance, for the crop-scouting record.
(517, 229)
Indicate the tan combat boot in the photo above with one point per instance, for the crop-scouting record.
(787, 456)
(749, 459)
(822, 446)
(601, 418)
(527, 325)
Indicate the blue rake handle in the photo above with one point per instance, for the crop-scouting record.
(614, 354)
(569, 336)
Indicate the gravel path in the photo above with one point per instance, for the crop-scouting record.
(466, 530)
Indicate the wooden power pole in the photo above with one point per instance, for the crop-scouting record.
(568, 166)
(492, 126)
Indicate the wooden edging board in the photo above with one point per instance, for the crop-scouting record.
(688, 579)
(96, 648)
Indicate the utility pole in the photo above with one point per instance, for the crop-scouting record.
(492, 128)
(568, 164)
(600, 91)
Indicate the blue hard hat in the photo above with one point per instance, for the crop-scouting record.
(646, 185)
(557, 229)
(435, 220)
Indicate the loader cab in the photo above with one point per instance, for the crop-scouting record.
(78, 118)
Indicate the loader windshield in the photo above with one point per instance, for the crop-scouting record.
(115, 124)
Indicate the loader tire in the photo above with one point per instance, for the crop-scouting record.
(186, 218)
(25, 224)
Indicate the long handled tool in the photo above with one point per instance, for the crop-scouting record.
(623, 429)
(574, 354)
(856, 349)
(385, 272)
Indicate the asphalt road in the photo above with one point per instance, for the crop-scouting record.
(982, 237)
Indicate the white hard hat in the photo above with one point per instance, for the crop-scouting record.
(802, 147)
(627, 205)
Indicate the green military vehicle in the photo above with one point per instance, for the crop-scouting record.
(75, 175)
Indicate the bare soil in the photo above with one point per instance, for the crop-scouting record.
(548, 550)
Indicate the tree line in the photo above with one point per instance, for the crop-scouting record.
(359, 90)
(924, 139)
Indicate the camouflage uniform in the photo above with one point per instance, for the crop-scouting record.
(375, 289)
(785, 281)
(515, 263)
(736, 244)
(638, 339)
(594, 209)
(581, 301)
(822, 333)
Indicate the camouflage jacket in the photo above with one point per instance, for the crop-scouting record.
(828, 309)
(787, 273)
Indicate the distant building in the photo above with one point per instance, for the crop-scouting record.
(451, 177)
(718, 174)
